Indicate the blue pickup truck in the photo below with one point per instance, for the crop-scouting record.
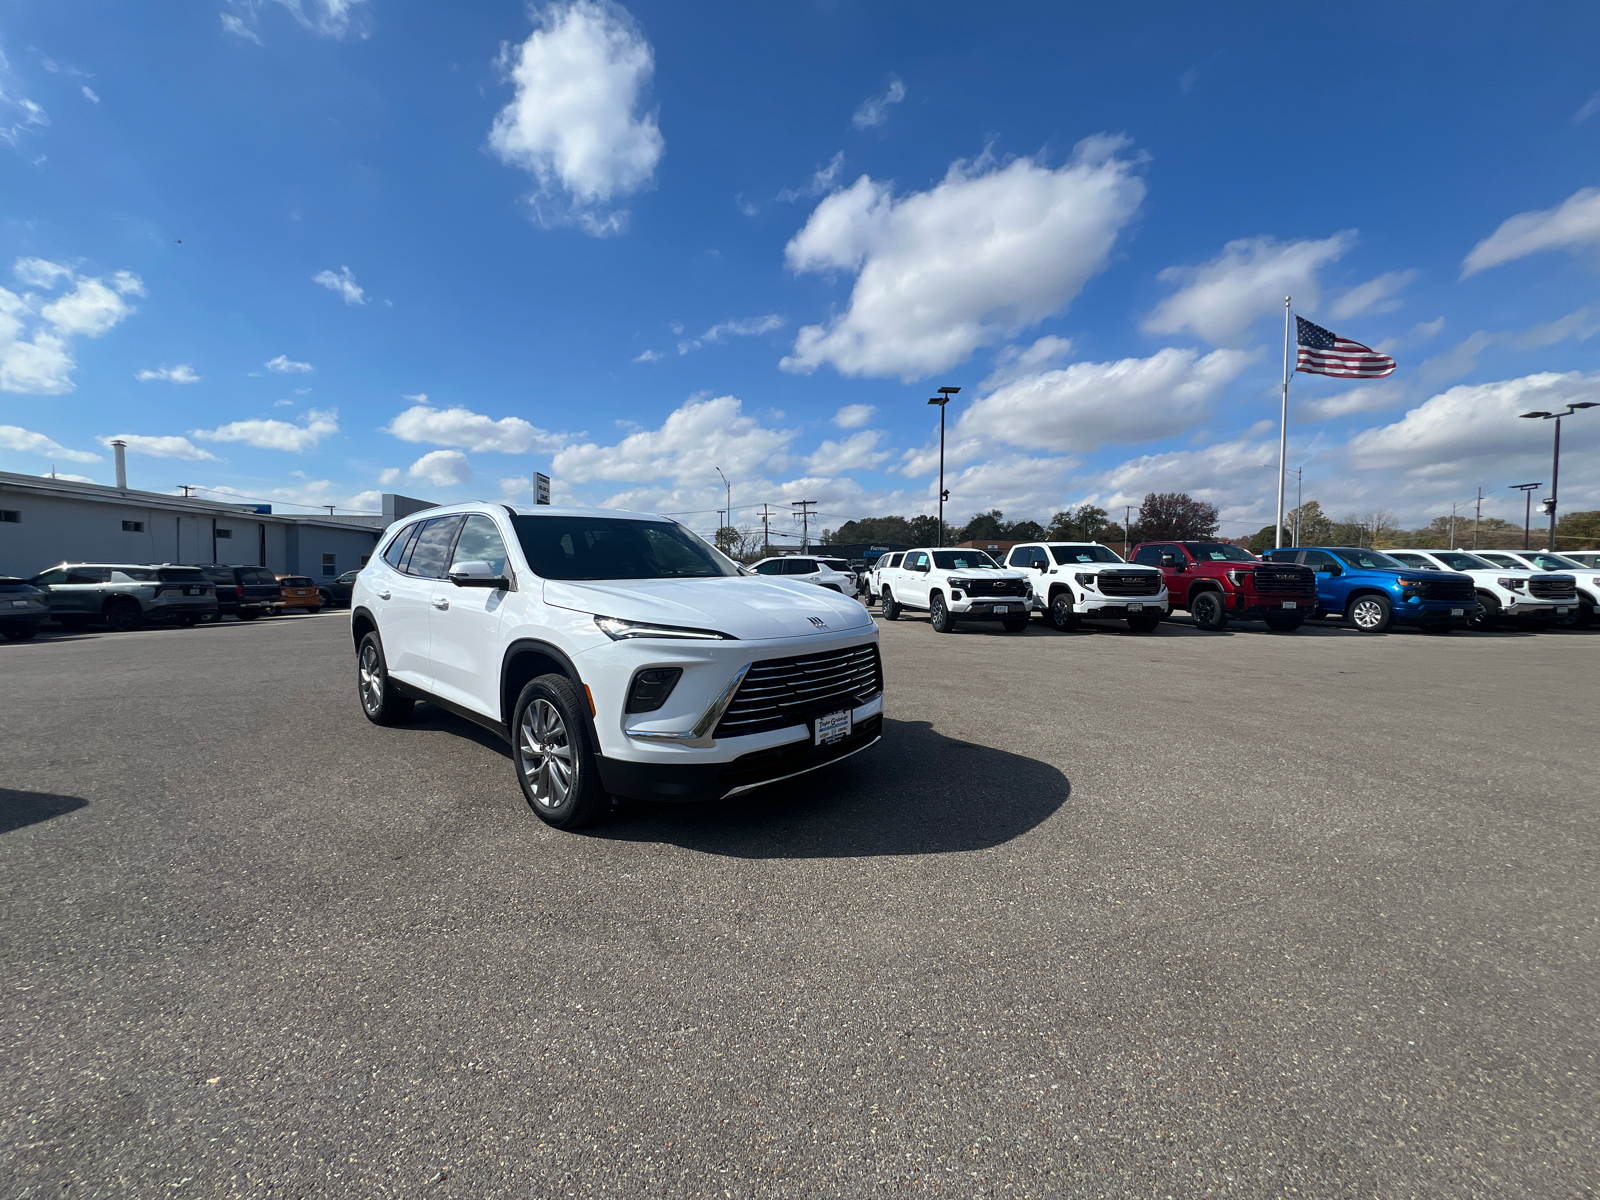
(1372, 591)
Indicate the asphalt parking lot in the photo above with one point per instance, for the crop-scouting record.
(1103, 915)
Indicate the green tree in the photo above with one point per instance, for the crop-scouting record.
(1176, 516)
(1024, 531)
(984, 527)
(1086, 523)
(893, 530)
(1315, 528)
(1577, 531)
(925, 532)
(1263, 539)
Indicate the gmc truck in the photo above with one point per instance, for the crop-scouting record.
(1085, 579)
(1218, 582)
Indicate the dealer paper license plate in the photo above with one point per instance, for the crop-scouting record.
(1291, 604)
(1458, 612)
(834, 727)
(1561, 611)
(1135, 608)
(1001, 608)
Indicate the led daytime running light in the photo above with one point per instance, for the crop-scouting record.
(619, 630)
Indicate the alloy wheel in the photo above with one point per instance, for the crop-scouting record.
(371, 671)
(1367, 614)
(544, 752)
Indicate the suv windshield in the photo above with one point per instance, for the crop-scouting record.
(961, 560)
(1458, 561)
(1077, 554)
(1370, 560)
(1219, 552)
(615, 548)
(1551, 562)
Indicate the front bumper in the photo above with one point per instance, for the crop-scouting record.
(999, 608)
(1417, 611)
(1254, 606)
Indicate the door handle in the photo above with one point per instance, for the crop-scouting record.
(441, 603)
(383, 595)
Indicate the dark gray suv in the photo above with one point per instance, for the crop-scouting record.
(126, 595)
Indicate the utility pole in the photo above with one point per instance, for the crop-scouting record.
(805, 507)
(729, 486)
(1453, 524)
(1527, 490)
(1477, 520)
(1127, 515)
(766, 532)
(187, 488)
(329, 507)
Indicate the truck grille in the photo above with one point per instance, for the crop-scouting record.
(1457, 591)
(991, 587)
(1130, 583)
(781, 692)
(1281, 580)
(1553, 587)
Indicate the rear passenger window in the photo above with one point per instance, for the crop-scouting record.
(430, 557)
(395, 554)
(799, 566)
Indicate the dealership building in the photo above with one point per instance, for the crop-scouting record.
(45, 521)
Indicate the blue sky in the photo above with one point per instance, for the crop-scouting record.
(312, 250)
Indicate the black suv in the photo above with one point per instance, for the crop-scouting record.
(244, 592)
(336, 592)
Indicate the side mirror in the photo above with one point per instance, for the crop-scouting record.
(1169, 560)
(477, 574)
(1041, 566)
(1330, 569)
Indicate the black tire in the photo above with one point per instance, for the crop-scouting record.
(252, 615)
(19, 633)
(314, 611)
(189, 620)
(1208, 610)
(554, 755)
(123, 615)
(1369, 613)
(1487, 616)
(891, 606)
(939, 615)
(379, 700)
(1060, 614)
(1437, 630)
(327, 598)
(73, 623)
(1015, 624)
(1144, 623)
(1284, 622)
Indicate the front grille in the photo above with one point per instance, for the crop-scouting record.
(1130, 583)
(990, 587)
(1281, 580)
(1455, 591)
(781, 692)
(1553, 587)
(790, 759)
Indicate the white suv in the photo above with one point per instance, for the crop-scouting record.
(955, 585)
(885, 562)
(1587, 578)
(1504, 593)
(831, 573)
(618, 653)
(1085, 579)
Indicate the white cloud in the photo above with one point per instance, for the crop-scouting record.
(462, 427)
(1013, 362)
(649, 356)
(284, 365)
(854, 416)
(330, 18)
(90, 95)
(874, 110)
(822, 181)
(1473, 423)
(1085, 405)
(1239, 476)
(389, 475)
(27, 442)
(442, 468)
(1374, 396)
(68, 476)
(574, 123)
(1219, 300)
(1376, 295)
(747, 327)
(1590, 107)
(160, 447)
(234, 24)
(695, 437)
(1573, 223)
(36, 331)
(344, 283)
(854, 453)
(1580, 325)
(275, 435)
(182, 373)
(982, 255)
(18, 114)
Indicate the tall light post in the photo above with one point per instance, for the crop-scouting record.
(1527, 490)
(941, 400)
(727, 549)
(1555, 459)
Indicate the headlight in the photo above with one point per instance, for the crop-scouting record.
(1086, 578)
(1407, 582)
(1512, 585)
(1237, 576)
(619, 630)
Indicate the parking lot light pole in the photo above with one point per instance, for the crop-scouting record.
(1555, 459)
(942, 399)
(1527, 490)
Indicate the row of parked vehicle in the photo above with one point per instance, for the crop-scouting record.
(127, 596)
(1217, 582)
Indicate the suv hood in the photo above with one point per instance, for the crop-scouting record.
(748, 608)
(986, 573)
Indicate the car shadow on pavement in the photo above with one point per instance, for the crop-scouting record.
(20, 809)
(915, 792)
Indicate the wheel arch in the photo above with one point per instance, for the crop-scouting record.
(1203, 585)
(361, 624)
(115, 597)
(525, 660)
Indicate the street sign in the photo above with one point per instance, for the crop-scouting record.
(541, 488)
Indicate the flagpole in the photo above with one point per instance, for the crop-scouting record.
(1283, 422)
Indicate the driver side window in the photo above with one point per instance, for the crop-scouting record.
(480, 541)
(773, 566)
(1317, 559)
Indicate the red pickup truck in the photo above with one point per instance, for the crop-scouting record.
(1217, 581)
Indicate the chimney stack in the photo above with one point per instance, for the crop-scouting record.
(120, 449)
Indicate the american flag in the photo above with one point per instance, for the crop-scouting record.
(1325, 353)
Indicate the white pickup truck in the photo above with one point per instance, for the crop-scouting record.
(1072, 580)
(1532, 598)
(953, 586)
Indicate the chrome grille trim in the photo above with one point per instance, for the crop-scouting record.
(1553, 587)
(1130, 583)
(781, 692)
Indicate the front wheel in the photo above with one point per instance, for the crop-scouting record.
(1015, 624)
(1144, 623)
(124, 615)
(891, 606)
(554, 756)
(379, 700)
(1283, 622)
(19, 633)
(939, 615)
(1487, 616)
(1371, 614)
(314, 610)
(1063, 618)
(251, 615)
(1208, 611)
